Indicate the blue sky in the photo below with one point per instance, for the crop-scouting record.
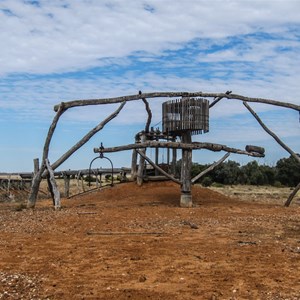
(60, 50)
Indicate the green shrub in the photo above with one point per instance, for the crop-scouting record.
(206, 181)
(217, 185)
(277, 184)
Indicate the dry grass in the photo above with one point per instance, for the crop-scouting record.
(260, 194)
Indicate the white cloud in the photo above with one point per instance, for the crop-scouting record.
(60, 36)
(59, 50)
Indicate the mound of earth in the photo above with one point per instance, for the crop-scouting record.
(130, 242)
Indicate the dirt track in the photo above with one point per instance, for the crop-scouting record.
(136, 243)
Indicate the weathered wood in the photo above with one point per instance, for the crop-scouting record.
(271, 133)
(184, 114)
(148, 110)
(78, 185)
(141, 167)
(8, 184)
(251, 148)
(174, 160)
(42, 172)
(36, 181)
(281, 143)
(66, 185)
(178, 145)
(210, 168)
(292, 195)
(36, 165)
(54, 187)
(156, 178)
(50, 189)
(156, 160)
(87, 137)
(82, 183)
(186, 165)
(217, 99)
(160, 170)
(133, 165)
(76, 103)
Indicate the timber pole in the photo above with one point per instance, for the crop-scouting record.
(186, 164)
(141, 167)
(133, 165)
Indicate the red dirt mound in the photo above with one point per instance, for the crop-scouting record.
(130, 242)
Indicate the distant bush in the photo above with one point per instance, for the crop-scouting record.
(277, 184)
(285, 173)
(206, 181)
(90, 179)
(108, 177)
(217, 185)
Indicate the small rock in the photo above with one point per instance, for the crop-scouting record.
(142, 278)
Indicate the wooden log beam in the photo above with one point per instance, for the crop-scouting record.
(292, 195)
(36, 165)
(54, 188)
(160, 170)
(42, 171)
(178, 145)
(271, 133)
(141, 167)
(186, 166)
(76, 103)
(217, 99)
(210, 168)
(251, 148)
(147, 107)
(133, 172)
(66, 185)
(87, 137)
(36, 181)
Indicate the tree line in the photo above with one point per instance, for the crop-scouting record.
(286, 172)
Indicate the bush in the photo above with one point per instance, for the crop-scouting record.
(108, 177)
(277, 184)
(217, 185)
(206, 181)
(90, 179)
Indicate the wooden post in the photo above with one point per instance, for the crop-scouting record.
(36, 165)
(8, 183)
(140, 172)
(82, 183)
(53, 186)
(78, 178)
(186, 165)
(156, 160)
(210, 168)
(97, 179)
(292, 195)
(50, 190)
(174, 160)
(133, 165)
(67, 185)
(168, 159)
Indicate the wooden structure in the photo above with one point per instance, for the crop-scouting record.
(183, 109)
(181, 118)
(185, 115)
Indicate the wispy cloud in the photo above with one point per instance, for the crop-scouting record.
(53, 51)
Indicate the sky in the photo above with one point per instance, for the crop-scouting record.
(60, 50)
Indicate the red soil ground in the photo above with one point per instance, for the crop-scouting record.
(130, 242)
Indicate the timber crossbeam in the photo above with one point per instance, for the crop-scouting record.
(141, 96)
(177, 145)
